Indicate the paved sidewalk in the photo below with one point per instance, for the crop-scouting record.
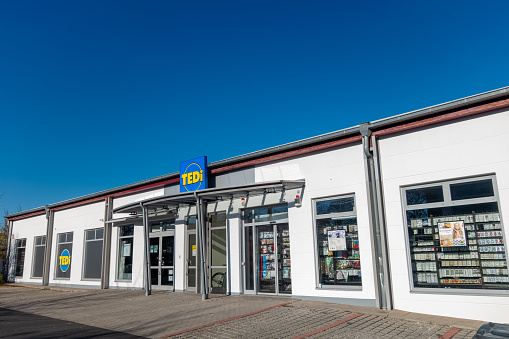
(185, 315)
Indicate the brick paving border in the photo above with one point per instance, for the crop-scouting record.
(451, 333)
(223, 321)
(305, 335)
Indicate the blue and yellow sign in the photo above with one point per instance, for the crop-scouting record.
(65, 260)
(193, 175)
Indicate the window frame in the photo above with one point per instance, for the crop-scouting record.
(349, 214)
(57, 254)
(34, 253)
(83, 278)
(448, 202)
(119, 239)
(18, 247)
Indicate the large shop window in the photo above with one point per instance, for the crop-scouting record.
(20, 256)
(92, 260)
(125, 252)
(64, 255)
(455, 235)
(337, 242)
(38, 258)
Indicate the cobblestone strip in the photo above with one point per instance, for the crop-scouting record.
(223, 321)
(328, 326)
(283, 322)
(373, 326)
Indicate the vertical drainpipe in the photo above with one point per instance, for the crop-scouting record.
(50, 216)
(106, 255)
(146, 268)
(203, 272)
(381, 300)
(382, 221)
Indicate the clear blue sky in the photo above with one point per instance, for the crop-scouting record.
(99, 94)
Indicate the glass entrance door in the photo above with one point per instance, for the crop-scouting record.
(218, 270)
(274, 261)
(191, 255)
(162, 254)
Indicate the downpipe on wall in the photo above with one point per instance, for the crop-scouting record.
(380, 262)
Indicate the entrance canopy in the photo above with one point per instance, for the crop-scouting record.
(168, 203)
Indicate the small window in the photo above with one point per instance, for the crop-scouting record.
(335, 206)
(92, 261)
(64, 255)
(471, 190)
(424, 195)
(125, 252)
(20, 256)
(38, 261)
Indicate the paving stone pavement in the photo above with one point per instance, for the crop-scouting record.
(165, 313)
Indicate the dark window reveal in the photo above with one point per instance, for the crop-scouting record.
(335, 206)
(471, 190)
(424, 195)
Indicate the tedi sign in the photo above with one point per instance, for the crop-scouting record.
(65, 260)
(193, 175)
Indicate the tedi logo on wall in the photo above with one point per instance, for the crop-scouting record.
(193, 175)
(65, 260)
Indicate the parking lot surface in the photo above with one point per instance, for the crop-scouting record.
(33, 312)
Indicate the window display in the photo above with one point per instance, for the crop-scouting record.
(337, 242)
(458, 245)
(125, 253)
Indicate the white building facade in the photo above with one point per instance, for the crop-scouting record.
(402, 213)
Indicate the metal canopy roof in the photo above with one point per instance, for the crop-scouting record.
(172, 202)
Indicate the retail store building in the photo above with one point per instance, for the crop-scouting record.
(405, 212)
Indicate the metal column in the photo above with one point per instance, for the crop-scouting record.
(146, 267)
(203, 273)
(50, 216)
(106, 255)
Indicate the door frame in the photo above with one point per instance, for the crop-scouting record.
(255, 252)
(188, 231)
(226, 278)
(160, 236)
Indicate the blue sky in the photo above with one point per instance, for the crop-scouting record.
(99, 94)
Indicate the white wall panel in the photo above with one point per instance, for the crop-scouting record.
(77, 220)
(328, 173)
(28, 228)
(470, 147)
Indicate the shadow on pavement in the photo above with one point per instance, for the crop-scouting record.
(15, 324)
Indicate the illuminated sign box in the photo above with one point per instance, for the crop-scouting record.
(193, 175)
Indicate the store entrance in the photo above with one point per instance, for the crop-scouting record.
(273, 259)
(162, 235)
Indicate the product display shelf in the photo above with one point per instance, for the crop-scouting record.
(458, 266)
(341, 263)
(285, 261)
(492, 250)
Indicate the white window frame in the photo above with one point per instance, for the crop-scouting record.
(448, 202)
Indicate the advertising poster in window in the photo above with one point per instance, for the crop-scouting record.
(337, 240)
(452, 234)
(126, 250)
